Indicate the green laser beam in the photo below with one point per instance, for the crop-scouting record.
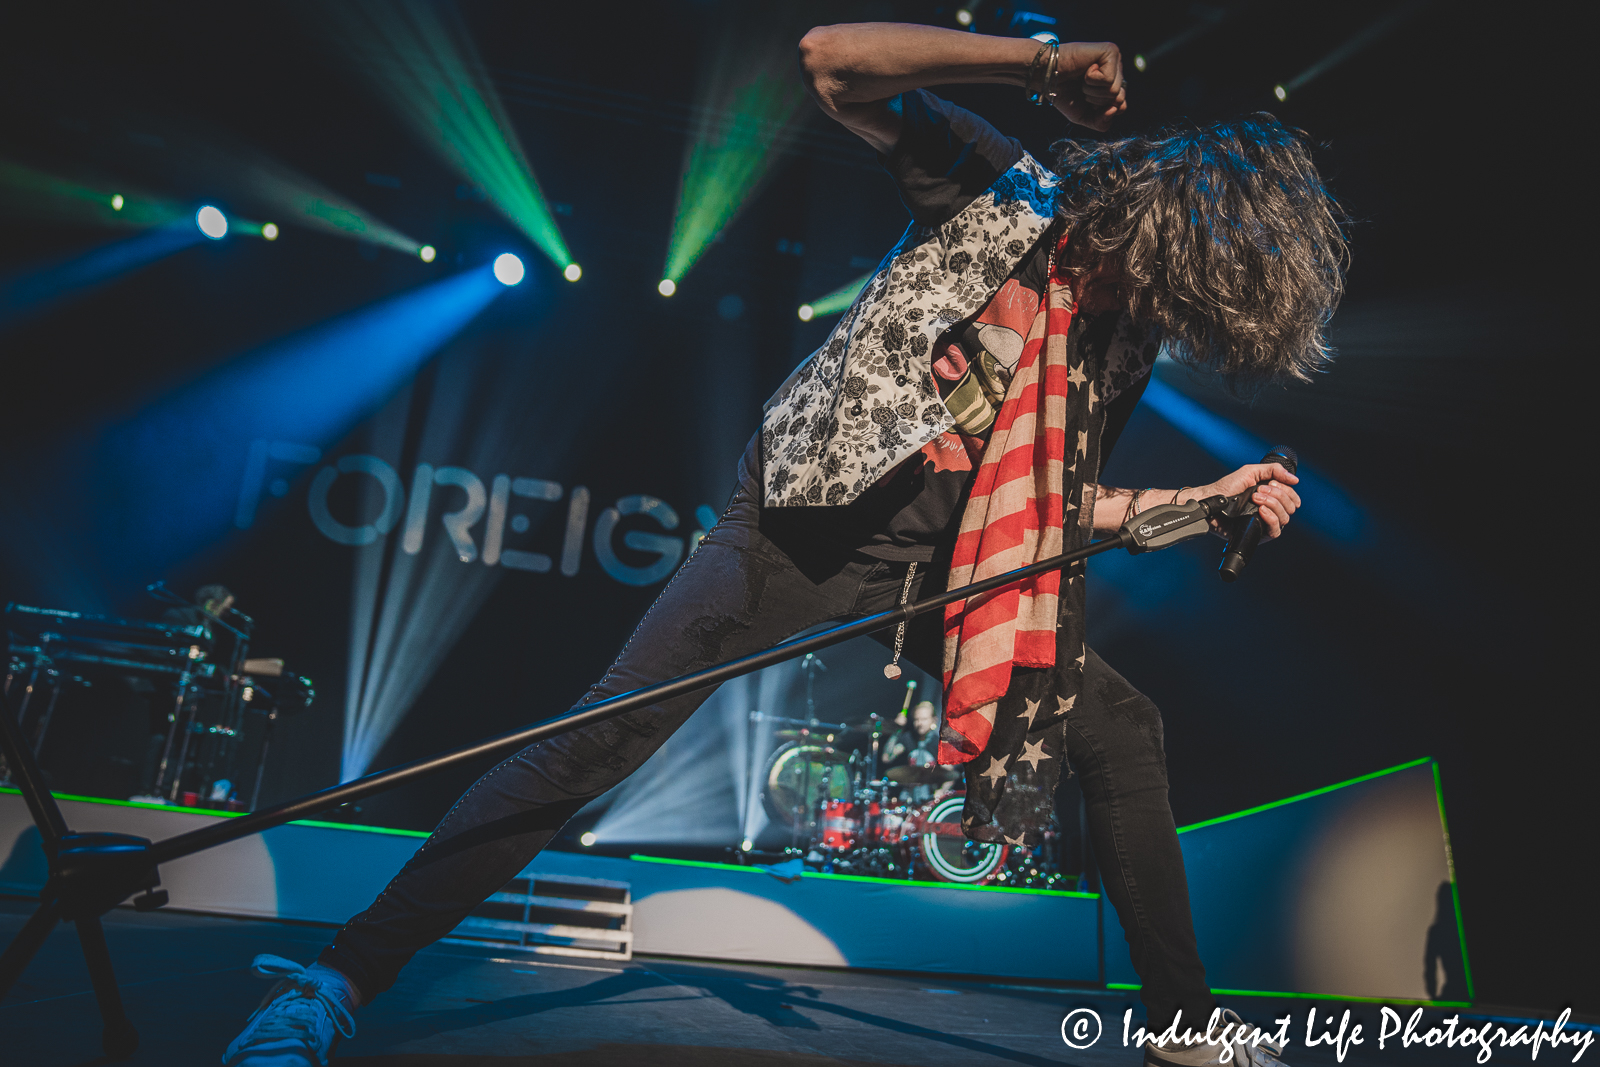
(1361, 40)
(422, 59)
(727, 156)
(832, 303)
(41, 196)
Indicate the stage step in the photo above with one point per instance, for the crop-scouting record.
(555, 915)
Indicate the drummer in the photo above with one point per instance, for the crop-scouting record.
(915, 744)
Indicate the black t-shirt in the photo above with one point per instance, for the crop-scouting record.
(945, 159)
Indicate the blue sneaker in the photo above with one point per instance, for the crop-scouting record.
(298, 1022)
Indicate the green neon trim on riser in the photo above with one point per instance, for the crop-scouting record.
(1304, 796)
(223, 814)
(1455, 891)
(1319, 996)
(708, 865)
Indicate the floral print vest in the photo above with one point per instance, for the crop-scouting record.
(865, 401)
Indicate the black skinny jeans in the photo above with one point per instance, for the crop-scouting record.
(755, 580)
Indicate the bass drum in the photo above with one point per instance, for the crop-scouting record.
(800, 777)
(944, 852)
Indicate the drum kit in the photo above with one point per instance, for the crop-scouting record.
(848, 814)
(203, 669)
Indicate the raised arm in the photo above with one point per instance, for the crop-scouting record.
(853, 71)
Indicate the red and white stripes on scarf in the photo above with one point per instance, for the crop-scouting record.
(1013, 518)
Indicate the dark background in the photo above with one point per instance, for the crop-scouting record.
(1458, 629)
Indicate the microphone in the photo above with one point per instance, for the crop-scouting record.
(1247, 526)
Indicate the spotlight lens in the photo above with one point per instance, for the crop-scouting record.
(667, 287)
(807, 312)
(573, 272)
(1280, 92)
(964, 17)
(269, 230)
(426, 253)
(116, 202)
(746, 845)
(508, 269)
(212, 223)
(588, 838)
(1139, 63)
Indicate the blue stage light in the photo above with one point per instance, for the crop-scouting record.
(1330, 512)
(212, 222)
(307, 389)
(508, 269)
(30, 293)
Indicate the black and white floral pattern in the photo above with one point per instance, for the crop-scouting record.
(865, 400)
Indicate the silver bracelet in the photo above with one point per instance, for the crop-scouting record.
(1133, 503)
(1042, 94)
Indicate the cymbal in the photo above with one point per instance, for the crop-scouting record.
(909, 775)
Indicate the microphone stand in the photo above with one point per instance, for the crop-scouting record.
(91, 873)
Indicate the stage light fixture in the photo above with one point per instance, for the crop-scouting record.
(1280, 92)
(746, 845)
(212, 222)
(269, 230)
(964, 17)
(807, 312)
(573, 272)
(116, 202)
(508, 269)
(426, 253)
(1139, 63)
(667, 287)
(588, 839)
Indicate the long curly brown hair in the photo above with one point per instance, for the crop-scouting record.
(1227, 239)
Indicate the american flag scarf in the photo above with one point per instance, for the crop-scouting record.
(1005, 699)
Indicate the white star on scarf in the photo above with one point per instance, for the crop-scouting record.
(1083, 442)
(1032, 753)
(1067, 702)
(1093, 400)
(1018, 842)
(997, 768)
(1076, 375)
(1078, 663)
(1032, 710)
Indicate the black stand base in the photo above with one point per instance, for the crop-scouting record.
(89, 875)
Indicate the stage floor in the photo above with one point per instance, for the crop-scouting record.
(186, 983)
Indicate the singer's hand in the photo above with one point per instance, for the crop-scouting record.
(1273, 495)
